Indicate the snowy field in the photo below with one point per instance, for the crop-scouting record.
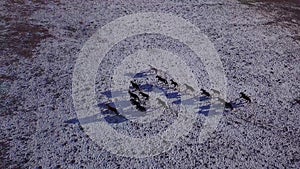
(123, 84)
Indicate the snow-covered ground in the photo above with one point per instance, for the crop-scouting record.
(43, 126)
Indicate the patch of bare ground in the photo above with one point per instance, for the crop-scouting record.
(286, 13)
(19, 35)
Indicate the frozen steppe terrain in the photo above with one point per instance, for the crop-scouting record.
(258, 43)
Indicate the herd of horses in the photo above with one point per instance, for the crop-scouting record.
(137, 95)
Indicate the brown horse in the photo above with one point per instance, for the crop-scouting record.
(159, 78)
(244, 96)
(135, 85)
(113, 109)
(132, 95)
